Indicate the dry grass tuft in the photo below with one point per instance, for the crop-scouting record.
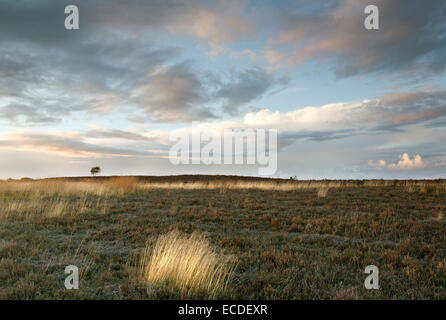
(323, 192)
(187, 264)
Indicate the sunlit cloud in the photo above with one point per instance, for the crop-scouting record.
(405, 163)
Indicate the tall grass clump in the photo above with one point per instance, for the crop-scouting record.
(186, 264)
(323, 192)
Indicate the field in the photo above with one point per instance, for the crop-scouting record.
(273, 239)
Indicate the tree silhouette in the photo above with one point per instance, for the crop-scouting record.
(95, 170)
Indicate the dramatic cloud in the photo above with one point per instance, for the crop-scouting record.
(176, 93)
(339, 119)
(48, 73)
(405, 163)
(245, 87)
(96, 75)
(410, 39)
(214, 22)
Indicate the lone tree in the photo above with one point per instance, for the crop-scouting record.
(95, 170)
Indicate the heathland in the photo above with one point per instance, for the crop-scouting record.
(222, 237)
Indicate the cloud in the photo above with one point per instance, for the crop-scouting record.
(23, 114)
(247, 86)
(141, 79)
(410, 39)
(174, 93)
(182, 93)
(113, 62)
(385, 113)
(219, 24)
(320, 135)
(48, 73)
(75, 144)
(441, 163)
(380, 164)
(215, 22)
(115, 134)
(94, 74)
(405, 163)
(390, 113)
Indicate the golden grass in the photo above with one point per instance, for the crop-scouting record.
(129, 184)
(54, 198)
(124, 184)
(287, 185)
(267, 185)
(187, 264)
(49, 208)
(46, 188)
(322, 192)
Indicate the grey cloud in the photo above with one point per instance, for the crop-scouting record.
(317, 135)
(115, 133)
(183, 93)
(52, 72)
(410, 107)
(410, 39)
(94, 75)
(23, 114)
(34, 21)
(41, 21)
(287, 138)
(173, 94)
(246, 86)
(439, 123)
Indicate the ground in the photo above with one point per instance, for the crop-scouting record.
(286, 239)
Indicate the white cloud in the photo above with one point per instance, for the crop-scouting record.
(405, 163)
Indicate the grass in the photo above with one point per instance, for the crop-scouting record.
(268, 238)
(123, 184)
(323, 192)
(187, 264)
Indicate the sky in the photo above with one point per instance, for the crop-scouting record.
(348, 103)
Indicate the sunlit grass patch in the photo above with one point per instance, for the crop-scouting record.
(51, 207)
(188, 264)
(322, 192)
